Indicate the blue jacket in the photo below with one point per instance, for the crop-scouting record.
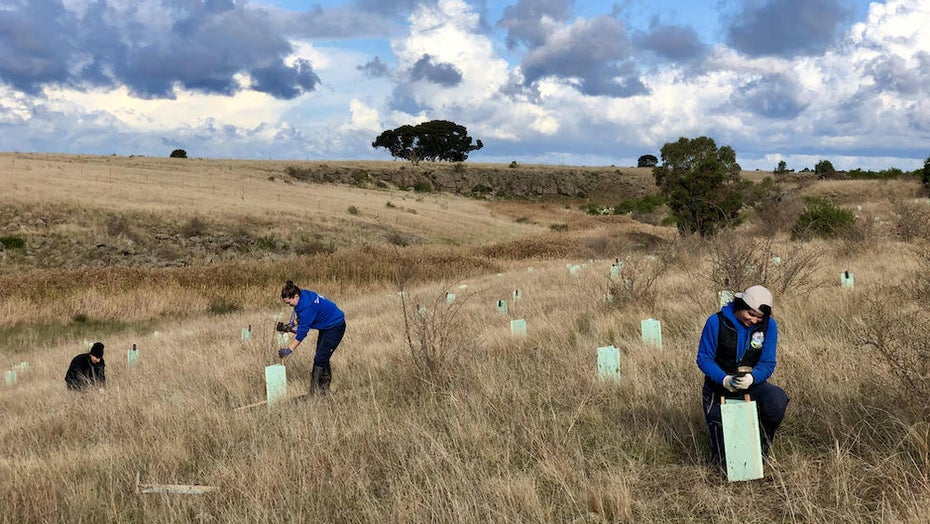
(707, 347)
(315, 311)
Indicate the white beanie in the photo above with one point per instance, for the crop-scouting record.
(756, 297)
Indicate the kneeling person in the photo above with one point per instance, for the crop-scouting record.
(87, 369)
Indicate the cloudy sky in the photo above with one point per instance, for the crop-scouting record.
(580, 82)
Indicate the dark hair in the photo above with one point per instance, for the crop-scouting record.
(290, 290)
(740, 305)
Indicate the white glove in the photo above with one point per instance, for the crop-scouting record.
(743, 382)
(728, 383)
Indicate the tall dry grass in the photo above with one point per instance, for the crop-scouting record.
(521, 431)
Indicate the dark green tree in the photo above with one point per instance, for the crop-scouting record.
(925, 175)
(436, 140)
(701, 184)
(647, 161)
(824, 168)
(781, 168)
(179, 153)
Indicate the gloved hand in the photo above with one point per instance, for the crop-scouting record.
(283, 352)
(728, 383)
(743, 382)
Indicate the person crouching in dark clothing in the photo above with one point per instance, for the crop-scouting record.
(87, 369)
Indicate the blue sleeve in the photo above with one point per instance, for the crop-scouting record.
(766, 366)
(707, 350)
(305, 318)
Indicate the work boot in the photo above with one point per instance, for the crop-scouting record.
(325, 379)
(317, 379)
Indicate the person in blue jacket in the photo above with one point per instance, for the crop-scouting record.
(314, 311)
(737, 355)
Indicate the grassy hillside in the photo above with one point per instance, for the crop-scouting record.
(438, 412)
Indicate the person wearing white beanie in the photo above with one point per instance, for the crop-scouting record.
(737, 354)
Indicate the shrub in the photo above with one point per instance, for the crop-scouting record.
(913, 220)
(822, 219)
(315, 247)
(360, 178)
(636, 283)
(640, 206)
(266, 243)
(13, 242)
(900, 336)
(118, 225)
(179, 153)
(738, 262)
(221, 306)
(353, 210)
(390, 205)
(513, 165)
(194, 227)
(422, 186)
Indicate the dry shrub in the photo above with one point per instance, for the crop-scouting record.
(912, 220)
(635, 283)
(899, 333)
(777, 213)
(432, 331)
(194, 227)
(920, 288)
(863, 235)
(738, 262)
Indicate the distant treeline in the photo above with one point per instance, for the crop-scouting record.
(862, 174)
(883, 174)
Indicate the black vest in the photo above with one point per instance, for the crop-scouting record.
(725, 357)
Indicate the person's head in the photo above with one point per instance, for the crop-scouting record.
(753, 305)
(290, 293)
(96, 352)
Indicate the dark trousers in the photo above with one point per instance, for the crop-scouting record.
(326, 343)
(771, 401)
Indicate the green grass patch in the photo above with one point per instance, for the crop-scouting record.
(27, 337)
(13, 242)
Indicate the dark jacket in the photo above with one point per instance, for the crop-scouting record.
(83, 373)
(726, 343)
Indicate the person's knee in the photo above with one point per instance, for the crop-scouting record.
(775, 404)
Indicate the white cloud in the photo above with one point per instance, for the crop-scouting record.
(364, 117)
(448, 32)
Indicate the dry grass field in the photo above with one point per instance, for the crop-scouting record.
(446, 417)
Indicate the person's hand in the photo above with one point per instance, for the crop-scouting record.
(743, 382)
(728, 383)
(283, 352)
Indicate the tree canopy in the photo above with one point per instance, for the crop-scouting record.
(436, 140)
(647, 161)
(925, 174)
(701, 184)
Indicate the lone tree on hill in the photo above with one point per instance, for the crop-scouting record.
(647, 161)
(824, 168)
(700, 183)
(436, 140)
(179, 153)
